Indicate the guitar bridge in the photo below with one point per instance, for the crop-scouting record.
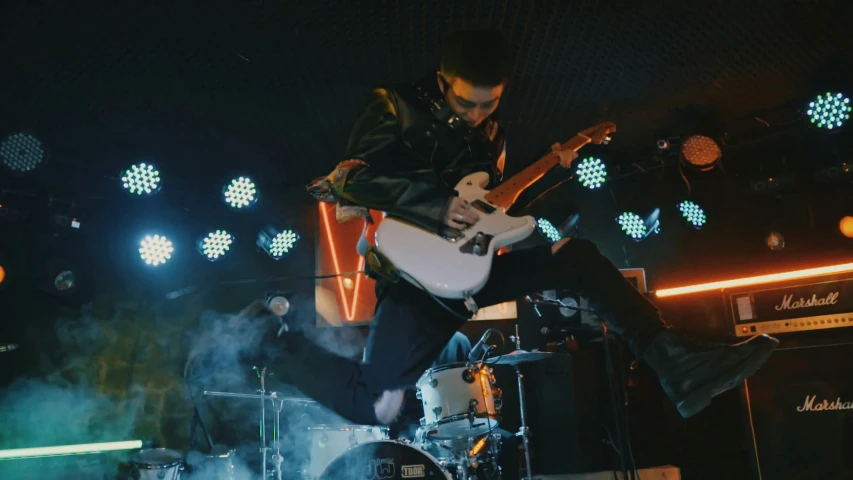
(478, 245)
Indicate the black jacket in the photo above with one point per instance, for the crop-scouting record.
(416, 151)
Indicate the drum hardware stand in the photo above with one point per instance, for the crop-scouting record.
(262, 396)
(198, 421)
(472, 417)
(277, 458)
(495, 450)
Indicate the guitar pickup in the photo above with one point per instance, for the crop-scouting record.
(477, 245)
(451, 234)
(483, 206)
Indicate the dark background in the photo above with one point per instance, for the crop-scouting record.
(207, 90)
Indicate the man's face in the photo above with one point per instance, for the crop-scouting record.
(471, 104)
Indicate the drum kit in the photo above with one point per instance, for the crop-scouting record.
(458, 437)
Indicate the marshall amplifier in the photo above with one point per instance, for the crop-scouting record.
(812, 304)
(799, 412)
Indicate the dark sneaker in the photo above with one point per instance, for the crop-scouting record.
(693, 373)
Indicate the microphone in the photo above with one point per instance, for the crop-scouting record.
(535, 306)
(557, 303)
(480, 347)
(8, 347)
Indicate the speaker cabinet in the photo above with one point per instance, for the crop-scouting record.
(799, 410)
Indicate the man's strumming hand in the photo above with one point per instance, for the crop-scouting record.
(460, 214)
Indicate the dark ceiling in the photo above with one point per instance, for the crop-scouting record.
(270, 88)
(99, 77)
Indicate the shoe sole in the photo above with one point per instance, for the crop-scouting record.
(700, 398)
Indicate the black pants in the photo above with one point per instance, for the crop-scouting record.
(410, 328)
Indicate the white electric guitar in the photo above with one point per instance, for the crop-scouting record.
(457, 265)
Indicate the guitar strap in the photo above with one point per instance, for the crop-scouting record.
(444, 114)
(458, 136)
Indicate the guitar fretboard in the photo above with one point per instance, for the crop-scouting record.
(505, 194)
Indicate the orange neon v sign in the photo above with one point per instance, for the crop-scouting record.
(341, 240)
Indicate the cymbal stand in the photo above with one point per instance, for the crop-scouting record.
(524, 431)
(262, 373)
(516, 339)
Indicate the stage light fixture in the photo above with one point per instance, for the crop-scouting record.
(637, 227)
(141, 179)
(278, 303)
(700, 152)
(155, 250)
(591, 173)
(6, 267)
(693, 213)
(846, 226)
(65, 281)
(632, 224)
(569, 228)
(277, 243)
(22, 153)
(775, 241)
(215, 244)
(829, 111)
(547, 229)
(240, 193)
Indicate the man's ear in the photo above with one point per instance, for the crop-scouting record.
(440, 81)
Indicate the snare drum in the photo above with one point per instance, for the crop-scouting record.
(329, 442)
(216, 465)
(156, 464)
(453, 395)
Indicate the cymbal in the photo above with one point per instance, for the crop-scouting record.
(518, 357)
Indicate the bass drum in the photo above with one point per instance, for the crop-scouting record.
(329, 442)
(384, 460)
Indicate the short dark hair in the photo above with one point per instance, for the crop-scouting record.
(478, 56)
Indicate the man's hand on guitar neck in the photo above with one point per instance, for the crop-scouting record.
(566, 156)
(460, 214)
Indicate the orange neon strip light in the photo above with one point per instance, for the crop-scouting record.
(349, 314)
(760, 279)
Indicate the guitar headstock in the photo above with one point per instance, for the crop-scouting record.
(599, 133)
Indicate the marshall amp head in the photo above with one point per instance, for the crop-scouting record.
(812, 304)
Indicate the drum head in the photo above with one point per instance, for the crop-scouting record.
(386, 460)
(156, 458)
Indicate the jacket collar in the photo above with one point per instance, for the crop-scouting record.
(428, 91)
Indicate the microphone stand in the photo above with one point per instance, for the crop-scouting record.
(624, 444)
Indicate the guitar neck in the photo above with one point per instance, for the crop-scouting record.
(505, 194)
